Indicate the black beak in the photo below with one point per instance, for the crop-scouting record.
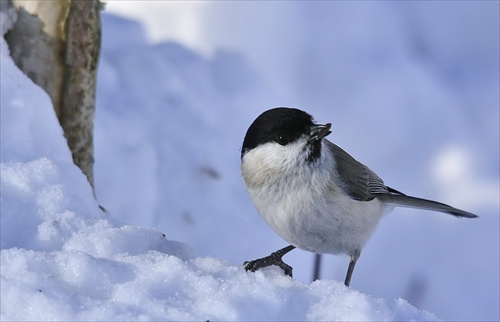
(319, 131)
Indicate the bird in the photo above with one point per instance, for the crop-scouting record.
(312, 193)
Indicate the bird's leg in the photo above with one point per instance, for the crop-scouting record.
(317, 267)
(273, 259)
(353, 258)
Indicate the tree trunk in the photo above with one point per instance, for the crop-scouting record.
(56, 43)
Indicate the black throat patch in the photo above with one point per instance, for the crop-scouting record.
(314, 151)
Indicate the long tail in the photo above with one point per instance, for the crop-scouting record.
(413, 202)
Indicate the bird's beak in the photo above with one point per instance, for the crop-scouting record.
(319, 131)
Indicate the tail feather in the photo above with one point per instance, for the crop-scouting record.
(413, 202)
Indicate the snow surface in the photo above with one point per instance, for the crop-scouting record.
(169, 125)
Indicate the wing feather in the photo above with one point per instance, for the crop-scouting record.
(359, 182)
(362, 184)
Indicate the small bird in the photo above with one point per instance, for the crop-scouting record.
(311, 192)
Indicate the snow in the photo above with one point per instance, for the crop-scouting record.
(74, 285)
(168, 128)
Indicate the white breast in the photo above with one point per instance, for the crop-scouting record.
(299, 202)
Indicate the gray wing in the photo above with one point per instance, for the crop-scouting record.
(358, 181)
(362, 184)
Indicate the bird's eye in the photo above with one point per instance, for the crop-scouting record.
(282, 140)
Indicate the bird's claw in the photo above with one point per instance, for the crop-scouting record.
(272, 259)
(286, 268)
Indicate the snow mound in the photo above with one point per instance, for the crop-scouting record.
(62, 258)
(73, 285)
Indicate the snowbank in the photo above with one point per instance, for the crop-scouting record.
(64, 259)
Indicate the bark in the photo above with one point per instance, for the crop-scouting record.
(83, 39)
(56, 43)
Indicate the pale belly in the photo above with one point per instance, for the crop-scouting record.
(334, 225)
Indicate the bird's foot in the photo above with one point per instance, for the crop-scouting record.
(273, 259)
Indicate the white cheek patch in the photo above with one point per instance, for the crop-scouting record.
(270, 160)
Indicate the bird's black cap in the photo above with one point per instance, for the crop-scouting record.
(282, 125)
